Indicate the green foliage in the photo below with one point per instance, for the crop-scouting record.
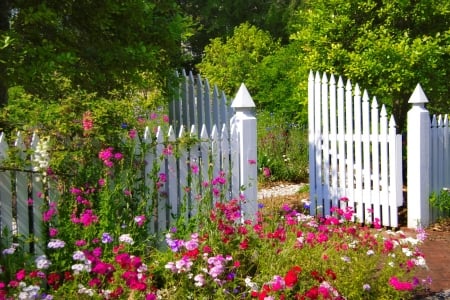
(229, 63)
(98, 47)
(441, 201)
(218, 19)
(282, 148)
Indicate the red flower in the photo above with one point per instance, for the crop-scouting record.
(331, 274)
(243, 245)
(291, 276)
(313, 293)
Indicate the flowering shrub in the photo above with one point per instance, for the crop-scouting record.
(99, 245)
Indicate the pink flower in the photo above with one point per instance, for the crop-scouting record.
(168, 150)
(266, 172)
(106, 154)
(166, 119)
(87, 218)
(118, 156)
(132, 133)
(400, 285)
(101, 182)
(140, 220)
(153, 116)
(80, 243)
(53, 232)
(194, 168)
(252, 161)
(20, 275)
(88, 122)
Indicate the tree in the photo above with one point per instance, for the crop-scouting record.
(4, 26)
(218, 18)
(98, 46)
(386, 46)
(227, 63)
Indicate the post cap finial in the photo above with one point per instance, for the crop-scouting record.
(418, 96)
(243, 98)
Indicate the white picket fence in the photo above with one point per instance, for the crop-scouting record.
(230, 149)
(354, 153)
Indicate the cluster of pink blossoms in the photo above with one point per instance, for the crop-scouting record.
(108, 155)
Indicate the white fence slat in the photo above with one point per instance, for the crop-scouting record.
(192, 101)
(207, 106)
(366, 152)
(38, 200)
(172, 179)
(334, 189)
(358, 193)
(441, 155)
(200, 104)
(434, 155)
(204, 157)
(341, 138)
(225, 157)
(183, 177)
(192, 190)
(23, 221)
(150, 157)
(162, 204)
(394, 148)
(349, 162)
(384, 160)
(311, 142)
(446, 147)
(215, 103)
(325, 145)
(318, 204)
(375, 176)
(215, 154)
(6, 216)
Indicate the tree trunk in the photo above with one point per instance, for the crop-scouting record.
(5, 8)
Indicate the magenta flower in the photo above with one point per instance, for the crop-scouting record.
(266, 172)
(53, 232)
(132, 133)
(88, 122)
(140, 220)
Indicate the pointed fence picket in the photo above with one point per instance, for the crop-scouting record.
(355, 157)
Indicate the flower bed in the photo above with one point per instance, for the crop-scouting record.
(99, 245)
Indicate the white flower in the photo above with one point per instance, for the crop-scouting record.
(126, 238)
(407, 252)
(420, 261)
(370, 252)
(42, 262)
(78, 255)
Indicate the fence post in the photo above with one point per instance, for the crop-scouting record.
(245, 122)
(418, 160)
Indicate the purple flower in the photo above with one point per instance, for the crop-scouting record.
(106, 238)
(55, 244)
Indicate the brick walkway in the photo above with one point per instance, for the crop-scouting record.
(436, 249)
